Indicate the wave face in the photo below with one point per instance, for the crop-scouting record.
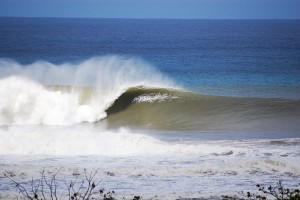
(169, 109)
(66, 94)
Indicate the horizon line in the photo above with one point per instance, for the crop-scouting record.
(150, 18)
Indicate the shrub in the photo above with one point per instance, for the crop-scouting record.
(277, 192)
(46, 188)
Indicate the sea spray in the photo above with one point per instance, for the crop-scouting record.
(102, 72)
(28, 102)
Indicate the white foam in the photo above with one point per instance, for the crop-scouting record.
(142, 162)
(25, 100)
(85, 140)
(150, 98)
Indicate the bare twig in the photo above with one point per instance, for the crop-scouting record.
(42, 184)
(39, 187)
(20, 188)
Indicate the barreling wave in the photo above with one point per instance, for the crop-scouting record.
(118, 92)
(67, 94)
(170, 109)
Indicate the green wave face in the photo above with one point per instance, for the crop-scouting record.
(163, 109)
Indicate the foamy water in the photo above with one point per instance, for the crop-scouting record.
(133, 163)
(137, 163)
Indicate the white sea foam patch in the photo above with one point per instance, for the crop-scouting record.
(25, 100)
(85, 140)
(150, 98)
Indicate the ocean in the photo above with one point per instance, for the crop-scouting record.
(163, 108)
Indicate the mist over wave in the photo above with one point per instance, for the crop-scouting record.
(28, 99)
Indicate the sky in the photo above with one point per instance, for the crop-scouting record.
(178, 9)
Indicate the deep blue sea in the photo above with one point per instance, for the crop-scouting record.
(165, 109)
(198, 54)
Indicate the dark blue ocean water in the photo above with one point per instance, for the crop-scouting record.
(233, 57)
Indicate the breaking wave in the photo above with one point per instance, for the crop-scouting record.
(66, 94)
(119, 92)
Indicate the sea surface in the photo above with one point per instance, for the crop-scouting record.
(165, 109)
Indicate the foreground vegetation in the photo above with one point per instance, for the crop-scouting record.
(278, 192)
(89, 189)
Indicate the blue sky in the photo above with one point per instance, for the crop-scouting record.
(182, 9)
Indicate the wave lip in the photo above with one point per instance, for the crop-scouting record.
(37, 94)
